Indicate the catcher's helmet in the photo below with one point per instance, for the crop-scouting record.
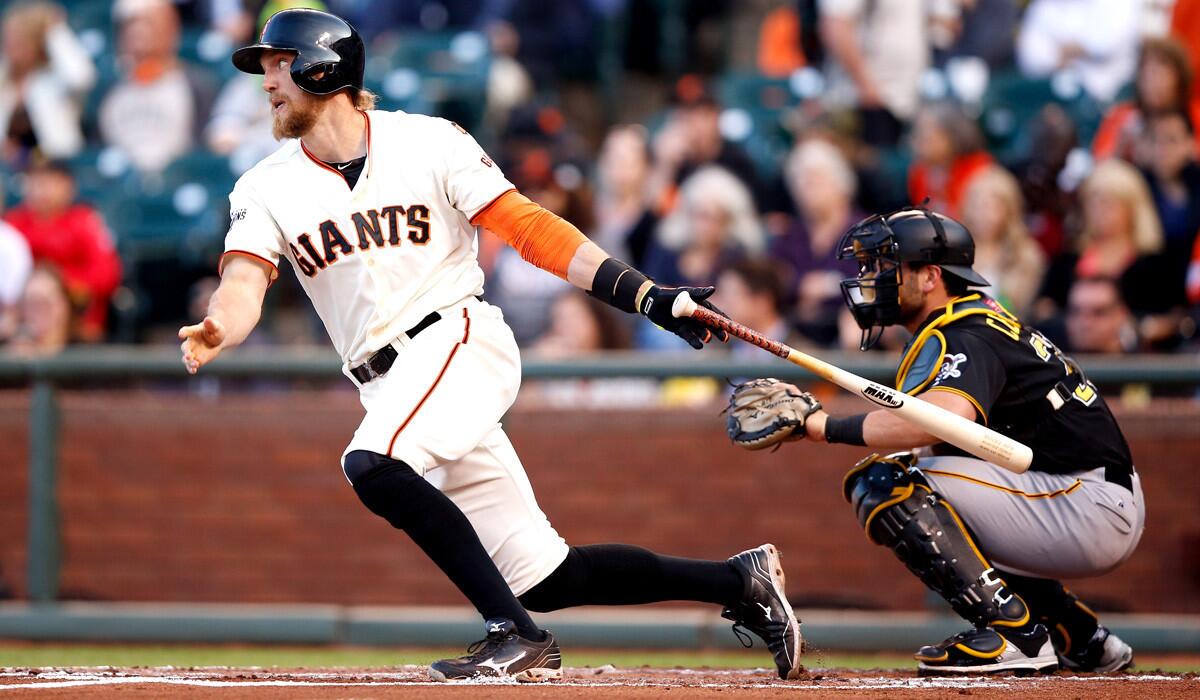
(882, 242)
(329, 52)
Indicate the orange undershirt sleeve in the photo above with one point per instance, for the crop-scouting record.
(541, 237)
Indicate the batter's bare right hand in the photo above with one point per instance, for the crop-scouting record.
(201, 343)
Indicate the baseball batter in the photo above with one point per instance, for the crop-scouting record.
(377, 212)
(993, 543)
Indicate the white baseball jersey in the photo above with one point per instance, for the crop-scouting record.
(376, 259)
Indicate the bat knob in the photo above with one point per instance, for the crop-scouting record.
(683, 306)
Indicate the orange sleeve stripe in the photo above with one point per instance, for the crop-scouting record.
(252, 256)
(541, 237)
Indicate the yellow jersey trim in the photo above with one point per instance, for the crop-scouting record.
(950, 313)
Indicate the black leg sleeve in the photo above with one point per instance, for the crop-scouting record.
(620, 574)
(396, 493)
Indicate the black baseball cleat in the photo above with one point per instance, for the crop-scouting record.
(504, 653)
(990, 650)
(764, 609)
(1105, 652)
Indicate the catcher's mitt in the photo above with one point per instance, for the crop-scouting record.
(765, 412)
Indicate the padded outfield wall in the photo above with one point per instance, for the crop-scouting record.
(173, 496)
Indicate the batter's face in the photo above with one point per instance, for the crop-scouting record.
(293, 111)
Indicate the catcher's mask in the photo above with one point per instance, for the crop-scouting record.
(881, 244)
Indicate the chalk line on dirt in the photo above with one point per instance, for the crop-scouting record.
(577, 678)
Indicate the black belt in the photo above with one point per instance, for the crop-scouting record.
(378, 364)
(1121, 476)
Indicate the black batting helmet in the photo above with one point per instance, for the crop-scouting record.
(329, 52)
(881, 243)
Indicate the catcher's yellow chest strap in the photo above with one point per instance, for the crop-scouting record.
(923, 355)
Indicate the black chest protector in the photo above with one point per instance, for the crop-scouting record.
(1020, 383)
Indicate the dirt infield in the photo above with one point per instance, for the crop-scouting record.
(607, 682)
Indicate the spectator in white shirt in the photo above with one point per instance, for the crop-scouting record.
(16, 262)
(1096, 40)
(44, 77)
(876, 53)
(155, 113)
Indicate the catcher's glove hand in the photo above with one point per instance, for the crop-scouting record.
(765, 412)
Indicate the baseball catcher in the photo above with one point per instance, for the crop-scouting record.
(994, 544)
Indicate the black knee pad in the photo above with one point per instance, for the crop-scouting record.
(899, 510)
(360, 464)
(877, 482)
(383, 484)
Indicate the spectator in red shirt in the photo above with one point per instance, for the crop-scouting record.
(1163, 82)
(73, 237)
(1193, 275)
(949, 152)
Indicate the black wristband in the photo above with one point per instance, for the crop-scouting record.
(617, 284)
(846, 431)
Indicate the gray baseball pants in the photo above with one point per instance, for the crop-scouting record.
(1043, 525)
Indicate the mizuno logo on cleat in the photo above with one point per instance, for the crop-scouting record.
(766, 609)
(502, 669)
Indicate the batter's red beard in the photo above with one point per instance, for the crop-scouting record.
(299, 119)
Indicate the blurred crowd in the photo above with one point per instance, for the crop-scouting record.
(704, 141)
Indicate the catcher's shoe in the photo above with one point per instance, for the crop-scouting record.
(1105, 652)
(764, 609)
(990, 650)
(503, 653)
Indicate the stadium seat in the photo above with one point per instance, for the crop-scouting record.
(448, 69)
(102, 175)
(754, 91)
(208, 50)
(198, 166)
(89, 14)
(767, 102)
(1012, 101)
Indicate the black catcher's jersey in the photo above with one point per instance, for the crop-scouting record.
(1020, 384)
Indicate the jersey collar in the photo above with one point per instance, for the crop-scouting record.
(958, 307)
(366, 166)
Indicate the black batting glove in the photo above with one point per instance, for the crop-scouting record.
(656, 306)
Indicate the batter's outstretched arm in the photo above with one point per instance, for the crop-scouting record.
(233, 312)
(547, 241)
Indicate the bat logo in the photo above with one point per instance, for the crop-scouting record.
(882, 396)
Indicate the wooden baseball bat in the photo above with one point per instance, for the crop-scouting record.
(979, 440)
